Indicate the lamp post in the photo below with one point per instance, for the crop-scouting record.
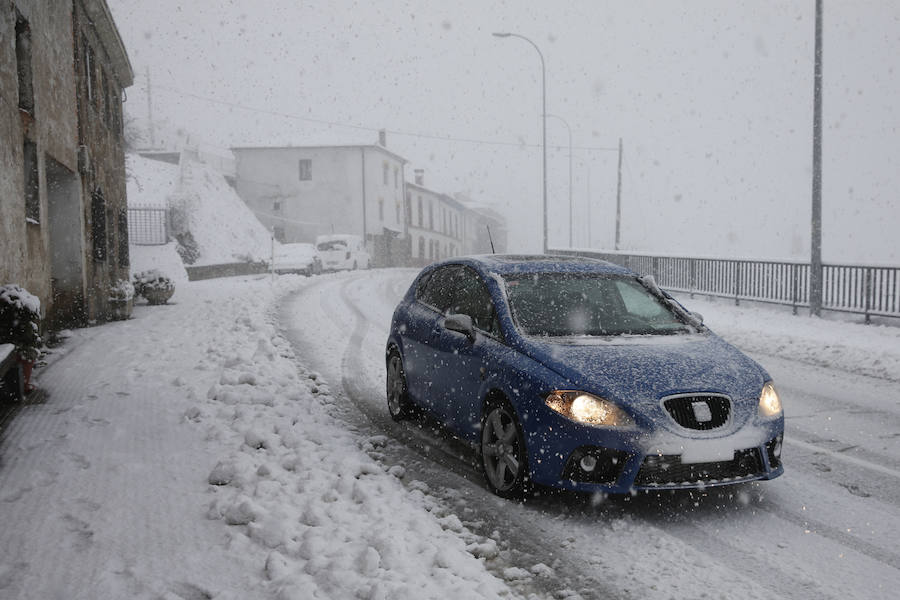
(571, 205)
(543, 119)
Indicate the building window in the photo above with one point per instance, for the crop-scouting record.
(421, 247)
(94, 75)
(32, 190)
(431, 216)
(123, 238)
(23, 64)
(421, 216)
(104, 80)
(305, 169)
(98, 225)
(381, 209)
(397, 212)
(408, 208)
(278, 233)
(396, 178)
(115, 101)
(88, 56)
(276, 206)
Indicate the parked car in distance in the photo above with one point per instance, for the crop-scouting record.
(579, 374)
(342, 252)
(297, 258)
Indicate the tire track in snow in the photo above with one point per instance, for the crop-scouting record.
(444, 468)
(445, 465)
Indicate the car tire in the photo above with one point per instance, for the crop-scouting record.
(504, 457)
(399, 406)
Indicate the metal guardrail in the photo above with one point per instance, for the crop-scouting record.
(148, 226)
(866, 290)
(196, 273)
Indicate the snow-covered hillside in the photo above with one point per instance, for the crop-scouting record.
(223, 229)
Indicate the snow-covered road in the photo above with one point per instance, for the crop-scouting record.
(235, 444)
(827, 529)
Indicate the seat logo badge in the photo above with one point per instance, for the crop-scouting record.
(702, 412)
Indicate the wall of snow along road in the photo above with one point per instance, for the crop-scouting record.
(299, 490)
(872, 350)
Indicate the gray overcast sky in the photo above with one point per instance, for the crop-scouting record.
(713, 100)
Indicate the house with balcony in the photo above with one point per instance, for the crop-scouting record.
(63, 214)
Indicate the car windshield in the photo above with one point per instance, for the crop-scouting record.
(567, 304)
(332, 245)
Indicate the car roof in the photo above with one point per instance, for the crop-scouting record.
(508, 264)
(338, 237)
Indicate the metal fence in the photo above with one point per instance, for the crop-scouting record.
(866, 290)
(148, 225)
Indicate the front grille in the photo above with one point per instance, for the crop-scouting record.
(682, 409)
(668, 470)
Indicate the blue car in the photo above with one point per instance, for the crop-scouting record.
(579, 374)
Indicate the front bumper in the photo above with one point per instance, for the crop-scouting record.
(581, 458)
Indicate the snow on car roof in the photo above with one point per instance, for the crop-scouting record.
(541, 263)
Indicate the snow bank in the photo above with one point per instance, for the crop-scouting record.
(162, 258)
(872, 350)
(294, 487)
(149, 182)
(223, 227)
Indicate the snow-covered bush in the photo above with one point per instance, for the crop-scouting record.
(121, 291)
(20, 321)
(154, 286)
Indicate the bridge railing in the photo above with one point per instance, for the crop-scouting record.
(866, 290)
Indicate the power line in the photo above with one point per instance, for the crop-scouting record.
(428, 136)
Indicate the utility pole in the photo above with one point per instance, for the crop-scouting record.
(815, 260)
(588, 170)
(619, 200)
(150, 111)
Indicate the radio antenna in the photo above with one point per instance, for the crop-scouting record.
(491, 239)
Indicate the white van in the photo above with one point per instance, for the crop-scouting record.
(342, 252)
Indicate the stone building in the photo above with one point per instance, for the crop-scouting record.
(63, 215)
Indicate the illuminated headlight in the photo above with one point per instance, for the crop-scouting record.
(769, 402)
(589, 409)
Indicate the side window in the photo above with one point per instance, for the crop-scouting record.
(473, 298)
(438, 291)
(305, 169)
(638, 302)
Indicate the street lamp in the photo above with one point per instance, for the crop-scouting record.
(543, 118)
(571, 205)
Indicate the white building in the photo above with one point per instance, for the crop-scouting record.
(436, 223)
(300, 192)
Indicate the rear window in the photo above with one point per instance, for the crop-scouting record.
(332, 245)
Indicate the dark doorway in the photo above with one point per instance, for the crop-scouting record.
(66, 251)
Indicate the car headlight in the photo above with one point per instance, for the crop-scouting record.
(589, 409)
(769, 402)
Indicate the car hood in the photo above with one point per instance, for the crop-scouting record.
(642, 369)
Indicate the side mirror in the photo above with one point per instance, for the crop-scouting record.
(462, 324)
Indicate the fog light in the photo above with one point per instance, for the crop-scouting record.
(588, 463)
(776, 450)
